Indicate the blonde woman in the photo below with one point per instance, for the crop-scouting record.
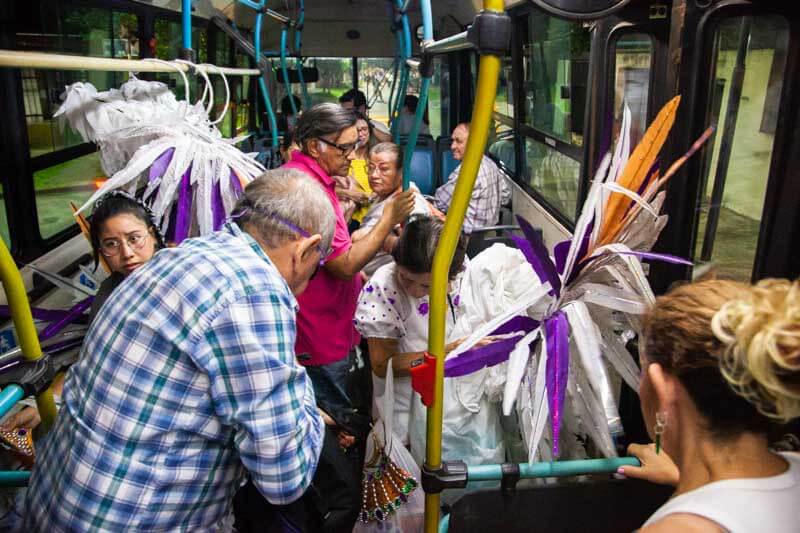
(720, 366)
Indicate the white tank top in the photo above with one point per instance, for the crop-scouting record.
(745, 505)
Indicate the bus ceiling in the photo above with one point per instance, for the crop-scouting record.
(329, 24)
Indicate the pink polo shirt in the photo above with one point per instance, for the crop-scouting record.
(325, 328)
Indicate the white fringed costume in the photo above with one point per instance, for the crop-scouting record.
(190, 175)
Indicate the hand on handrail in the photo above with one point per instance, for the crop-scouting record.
(656, 467)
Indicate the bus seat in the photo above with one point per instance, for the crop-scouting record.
(599, 506)
(422, 140)
(444, 157)
(482, 238)
(503, 150)
(423, 166)
(422, 170)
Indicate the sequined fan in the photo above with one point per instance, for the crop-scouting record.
(19, 441)
(385, 486)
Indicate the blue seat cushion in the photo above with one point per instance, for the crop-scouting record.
(422, 170)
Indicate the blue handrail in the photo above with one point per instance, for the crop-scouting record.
(285, 69)
(186, 23)
(258, 6)
(262, 84)
(427, 32)
(298, 46)
(14, 478)
(543, 470)
(405, 53)
(395, 68)
(9, 396)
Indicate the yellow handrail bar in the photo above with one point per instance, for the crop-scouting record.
(488, 73)
(27, 335)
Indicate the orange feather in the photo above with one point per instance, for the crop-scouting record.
(636, 169)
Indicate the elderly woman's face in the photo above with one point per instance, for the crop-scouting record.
(416, 285)
(384, 173)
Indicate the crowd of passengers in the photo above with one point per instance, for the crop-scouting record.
(228, 383)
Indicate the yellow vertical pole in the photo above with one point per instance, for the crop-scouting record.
(22, 318)
(488, 74)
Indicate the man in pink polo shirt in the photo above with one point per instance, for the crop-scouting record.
(326, 337)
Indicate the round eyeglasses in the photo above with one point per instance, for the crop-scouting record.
(135, 241)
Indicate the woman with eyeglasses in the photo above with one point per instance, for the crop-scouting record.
(326, 339)
(124, 234)
(354, 190)
(386, 179)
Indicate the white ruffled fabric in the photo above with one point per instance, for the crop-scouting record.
(137, 123)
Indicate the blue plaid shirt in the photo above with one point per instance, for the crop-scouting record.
(187, 379)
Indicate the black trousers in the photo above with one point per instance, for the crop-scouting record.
(331, 504)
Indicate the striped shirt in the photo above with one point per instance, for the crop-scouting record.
(187, 381)
(490, 193)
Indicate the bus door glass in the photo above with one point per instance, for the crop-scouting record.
(335, 78)
(632, 53)
(748, 62)
(501, 135)
(376, 77)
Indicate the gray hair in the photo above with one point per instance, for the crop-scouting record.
(322, 119)
(286, 196)
(388, 147)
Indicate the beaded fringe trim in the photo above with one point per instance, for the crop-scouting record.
(385, 488)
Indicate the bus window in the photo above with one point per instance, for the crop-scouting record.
(77, 31)
(504, 103)
(554, 175)
(240, 94)
(335, 78)
(375, 76)
(222, 53)
(501, 134)
(749, 58)
(434, 96)
(71, 181)
(58, 176)
(555, 77)
(168, 47)
(632, 59)
(501, 145)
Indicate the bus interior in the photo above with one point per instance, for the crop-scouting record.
(570, 71)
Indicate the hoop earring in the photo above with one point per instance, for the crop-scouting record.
(658, 429)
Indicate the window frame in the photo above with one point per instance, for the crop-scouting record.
(525, 130)
(26, 240)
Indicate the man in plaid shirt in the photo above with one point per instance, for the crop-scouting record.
(490, 192)
(188, 380)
